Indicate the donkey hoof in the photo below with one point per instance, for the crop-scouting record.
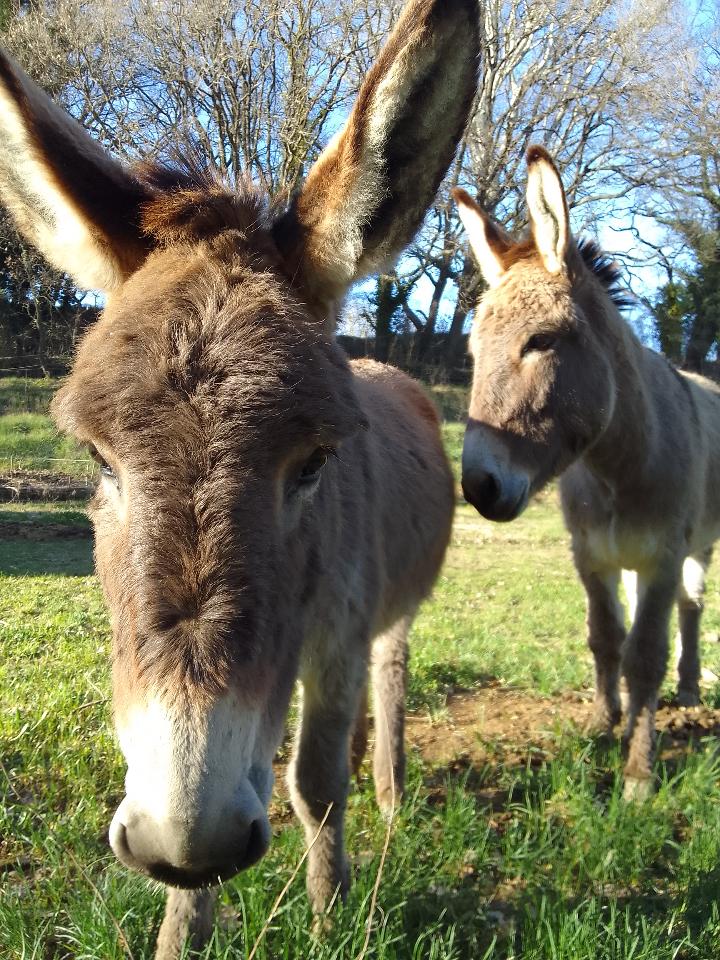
(322, 926)
(688, 698)
(601, 724)
(388, 804)
(636, 790)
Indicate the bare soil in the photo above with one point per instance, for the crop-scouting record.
(484, 729)
(480, 726)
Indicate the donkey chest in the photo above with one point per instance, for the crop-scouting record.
(616, 544)
(607, 536)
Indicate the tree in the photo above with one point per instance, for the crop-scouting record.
(581, 77)
(680, 180)
(620, 92)
(686, 311)
(254, 88)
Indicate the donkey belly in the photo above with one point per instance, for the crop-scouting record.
(604, 537)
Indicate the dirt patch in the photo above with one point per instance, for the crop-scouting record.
(497, 725)
(480, 726)
(32, 485)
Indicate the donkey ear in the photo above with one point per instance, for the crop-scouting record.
(69, 198)
(549, 218)
(367, 194)
(488, 241)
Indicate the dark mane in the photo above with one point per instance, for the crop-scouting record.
(606, 270)
(188, 200)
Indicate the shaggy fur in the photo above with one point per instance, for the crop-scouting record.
(266, 509)
(563, 387)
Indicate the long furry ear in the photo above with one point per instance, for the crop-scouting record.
(369, 190)
(488, 240)
(549, 217)
(70, 199)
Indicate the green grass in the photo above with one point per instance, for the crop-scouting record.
(29, 441)
(28, 437)
(527, 853)
(26, 395)
(451, 401)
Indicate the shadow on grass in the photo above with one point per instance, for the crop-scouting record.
(40, 520)
(32, 558)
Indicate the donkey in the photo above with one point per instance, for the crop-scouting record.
(265, 510)
(562, 387)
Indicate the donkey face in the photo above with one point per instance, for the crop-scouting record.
(213, 397)
(542, 388)
(207, 537)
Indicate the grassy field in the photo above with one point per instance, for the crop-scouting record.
(512, 842)
(28, 438)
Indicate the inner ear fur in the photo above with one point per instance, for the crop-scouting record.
(368, 192)
(70, 199)
(488, 241)
(548, 208)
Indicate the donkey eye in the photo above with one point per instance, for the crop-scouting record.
(311, 468)
(540, 343)
(105, 469)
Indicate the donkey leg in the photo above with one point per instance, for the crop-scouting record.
(187, 924)
(644, 664)
(359, 740)
(319, 774)
(389, 680)
(606, 634)
(690, 608)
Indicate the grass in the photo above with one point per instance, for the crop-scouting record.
(498, 854)
(28, 437)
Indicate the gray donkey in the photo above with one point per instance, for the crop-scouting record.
(265, 510)
(562, 387)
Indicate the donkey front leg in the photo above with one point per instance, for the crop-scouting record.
(187, 924)
(319, 775)
(644, 664)
(690, 608)
(389, 681)
(606, 634)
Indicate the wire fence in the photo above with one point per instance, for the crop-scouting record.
(46, 478)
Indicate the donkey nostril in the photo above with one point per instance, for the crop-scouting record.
(481, 491)
(489, 489)
(257, 843)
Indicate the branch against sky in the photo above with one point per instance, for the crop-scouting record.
(258, 87)
(589, 79)
(621, 91)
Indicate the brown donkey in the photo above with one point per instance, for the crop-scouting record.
(265, 510)
(563, 387)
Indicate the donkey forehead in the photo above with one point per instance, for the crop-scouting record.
(222, 342)
(527, 297)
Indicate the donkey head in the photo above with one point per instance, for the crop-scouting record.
(542, 387)
(213, 397)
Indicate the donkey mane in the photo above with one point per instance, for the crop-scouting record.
(189, 200)
(606, 270)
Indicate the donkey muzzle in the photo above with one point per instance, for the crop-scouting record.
(488, 482)
(183, 851)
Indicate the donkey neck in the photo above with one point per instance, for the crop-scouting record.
(626, 451)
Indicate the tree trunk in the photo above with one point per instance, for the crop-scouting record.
(386, 305)
(425, 337)
(467, 293)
